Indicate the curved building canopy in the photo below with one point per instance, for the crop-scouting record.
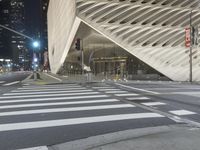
(151, 30)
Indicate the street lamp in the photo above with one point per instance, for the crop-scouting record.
(36, 44)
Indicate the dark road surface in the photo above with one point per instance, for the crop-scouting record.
(41, 115)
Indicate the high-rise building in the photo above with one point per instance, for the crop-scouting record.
(4, 20)
(13, 45)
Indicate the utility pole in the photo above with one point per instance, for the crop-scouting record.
(191, 44)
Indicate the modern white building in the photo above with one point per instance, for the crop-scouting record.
(151, 30)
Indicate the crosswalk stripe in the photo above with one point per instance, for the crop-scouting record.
(58, 103)
(53, 99)
(12, 83)
(56, 110)
(109, 90)
(182, 112)
(153, 103)
(101, 87)
(2, 81)
(47, 95)
(48, 92)
(51, 85)
(40, 90)
(137, 98)
(29, 88)
(128, 94)
(75, 121)
(114, 92)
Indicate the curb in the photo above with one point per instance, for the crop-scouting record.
(100, 140)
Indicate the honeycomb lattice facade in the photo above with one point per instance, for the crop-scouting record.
(151, 30)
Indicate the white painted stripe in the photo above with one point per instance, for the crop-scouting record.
(56, 110)
(40, 90)
(182, 112)
(12, 83)
(137, 98)
(2, 81)
(114, 92)
(53, 77)
(109, 89)
(153, 103)
(138, 89)
(59, 103)
(36, 148)
(53, 85)
(101, 87)
(53, 99)
(128, 94)
(49, 92)
(75, 121)
(47, 95)
(58, 87)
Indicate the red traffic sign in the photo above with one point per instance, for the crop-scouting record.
(187, 37)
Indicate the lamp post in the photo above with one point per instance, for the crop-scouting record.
(36, 45)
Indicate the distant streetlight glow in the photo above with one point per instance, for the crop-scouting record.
(35, 60)
(36, 44)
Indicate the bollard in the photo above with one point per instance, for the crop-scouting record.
(35, 75)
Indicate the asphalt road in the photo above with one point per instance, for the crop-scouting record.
(41, 115)
(11, 80)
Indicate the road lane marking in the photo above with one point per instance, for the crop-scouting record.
(114, 92)
(76, 121)
(137, 98)
(48, 92)
(102, 90)
(128, 94)
(101, 87)
(153, 103)
(53, 99)
(36, 148)
(40, 90)
(69, 109)
(53, 77)
(182, 112)
(58, 103)
(138, 89)
(42, 87)
(2, 82)
(12, 83)
(47, 95)
(53, 85)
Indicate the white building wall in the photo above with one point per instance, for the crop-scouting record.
(62, 26)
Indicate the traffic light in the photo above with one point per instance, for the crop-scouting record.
(78, 44)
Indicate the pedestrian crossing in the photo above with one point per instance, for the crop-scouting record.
(73, 111)
(54, 99)
(146, 101)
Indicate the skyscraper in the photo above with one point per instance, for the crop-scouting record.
(13, 45)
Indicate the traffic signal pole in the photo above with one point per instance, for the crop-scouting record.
(82, 57)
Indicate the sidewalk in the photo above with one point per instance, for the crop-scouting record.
(157, 138)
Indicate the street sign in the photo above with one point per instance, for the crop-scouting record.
(187, 37)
